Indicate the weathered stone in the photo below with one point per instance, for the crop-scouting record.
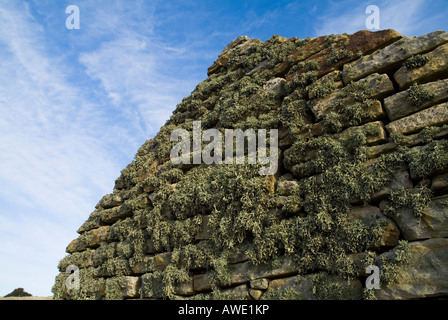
(276, 85)
(303, 285)
(184, 288)
(346, 48)
(424, 275)
(368, 215)
(285, 188)
(161, 260)
(110, 216)
(246, 271)
(376, 151)
(224, 56)
(89, 239)
(435, 68)
(375, 132)
(261, 66)
(131, 286)
(204, 232)
(434, 116)
(440, 184)
(261, 284)
(93, 222)
(144, 266)
(256, 294)
(392, 56)
(334, 77)
(379, 84)
(110, 201)
(432, 224)
(237, 293)
(397, 107)
(401, 179)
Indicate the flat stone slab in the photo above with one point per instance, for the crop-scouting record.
(397, 106)
(432, 224)
(388, 58)
(434, 116)
(424, 275)
(379, 84)
(436, 67)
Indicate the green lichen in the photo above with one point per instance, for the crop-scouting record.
(416, 61)
(417, 94)
(415, 200)
(337, 54)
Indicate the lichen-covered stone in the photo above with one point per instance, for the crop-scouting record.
(386, 59)
(433, 223)
(434, 116)
(425, 275)
(398, 106)
(348, 187)
(435, 68)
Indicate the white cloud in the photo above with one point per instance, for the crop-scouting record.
(56, 159)
(349, 16)
(63, 141)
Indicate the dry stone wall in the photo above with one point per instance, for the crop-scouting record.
(362, 180)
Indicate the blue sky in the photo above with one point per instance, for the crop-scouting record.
(75, 105)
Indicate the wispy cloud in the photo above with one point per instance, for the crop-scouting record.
(69, 123)
(406, 17)
(56, 159)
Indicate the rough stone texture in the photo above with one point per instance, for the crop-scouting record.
(434, 116)
(225, 54)
(440, 184)
(368, 215)
(437, 66)
(92, 239)
(380, 85)
(302, 285)
(276, 85)
(361, 42)
(397, 106)
(432, 224)
(131, 287)
(387, 59)
(167, 230)
(426, 275)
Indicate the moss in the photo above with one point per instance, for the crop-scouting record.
(416, 61)
(415, 200)
(282, 294)
(152, 285)
(428, 160)
(390, 263)
(327, 288)
(321, 89)
(417, 95)
(337, 54)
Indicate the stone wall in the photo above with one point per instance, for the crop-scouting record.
(362, 180)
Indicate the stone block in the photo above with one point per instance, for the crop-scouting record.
(379, 84)
(110, 216)
(440, 184)
(89, 239)
(161, 260)
(131, 287)
(392, 56)
(432, 224)
(368, 215)
(397, 106)
(261, 284)
(425, 275)
(435, 68)
(434, 116)
(276, 85)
